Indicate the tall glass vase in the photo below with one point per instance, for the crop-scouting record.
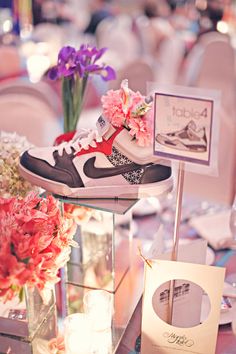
(24, 318)
(38, 307)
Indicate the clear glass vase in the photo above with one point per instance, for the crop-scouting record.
(37, 307)
(24, 318)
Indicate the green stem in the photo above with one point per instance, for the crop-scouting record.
(67, 104)
(79, 92)
(77, 101)
(84, 84)
(72, 101)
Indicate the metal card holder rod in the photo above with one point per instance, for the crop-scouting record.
(174, 255)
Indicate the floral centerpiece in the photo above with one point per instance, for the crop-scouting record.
(35, 243)
(124, 108)
(11, 183)
(74, 68)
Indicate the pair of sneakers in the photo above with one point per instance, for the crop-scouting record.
(101, 163)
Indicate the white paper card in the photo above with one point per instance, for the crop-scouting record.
(183, 127)
(160, 337)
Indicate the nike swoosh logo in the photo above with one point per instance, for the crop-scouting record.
(91, 171)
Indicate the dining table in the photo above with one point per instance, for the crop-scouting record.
(145, 224)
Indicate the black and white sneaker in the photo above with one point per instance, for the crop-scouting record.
(102, 163)
(188, 139)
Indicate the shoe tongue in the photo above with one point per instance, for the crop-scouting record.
(105, 129)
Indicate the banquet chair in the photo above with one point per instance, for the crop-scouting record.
(49, 32)
(169, 58)
(138, 72)
(152, 32)
(202, 49)
(41, 90)
(28, 112)
(216, 70)
(147, 37)
(117, 35)
(53, 36)
(10, 63)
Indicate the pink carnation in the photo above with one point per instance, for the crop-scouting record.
(128, 109)
(112, 108)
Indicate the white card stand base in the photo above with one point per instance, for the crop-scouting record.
(160, 337)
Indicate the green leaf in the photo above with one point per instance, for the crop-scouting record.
(25, 260)
(21, 294)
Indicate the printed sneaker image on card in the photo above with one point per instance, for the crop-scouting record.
(188, 139)
(183, 128)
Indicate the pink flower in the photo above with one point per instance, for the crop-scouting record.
(129, 109)
(80, 214)
(139, 129)
(136, 100)
(12, 275)
(57, 345)
(112, 108)
(6, 204)
(35, 242)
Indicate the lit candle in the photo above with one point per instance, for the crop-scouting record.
(102, 342)
(98, 307)
(77, 334)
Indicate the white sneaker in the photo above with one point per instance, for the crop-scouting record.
(103, 163)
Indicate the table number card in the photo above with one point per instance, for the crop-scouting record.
(161, 337)
(183, 128)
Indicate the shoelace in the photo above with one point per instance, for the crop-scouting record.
(83, 139)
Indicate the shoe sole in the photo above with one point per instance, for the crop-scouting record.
(115, 191)
(177, 144)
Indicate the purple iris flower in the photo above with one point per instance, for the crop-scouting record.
(74, 67)
(66, 64)
(67, 61)
(81, 62)
(87, 56)
(89, 52)
(66, 54)
(53, 73)
(108, 73)
(99, 53)
(93, 68)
